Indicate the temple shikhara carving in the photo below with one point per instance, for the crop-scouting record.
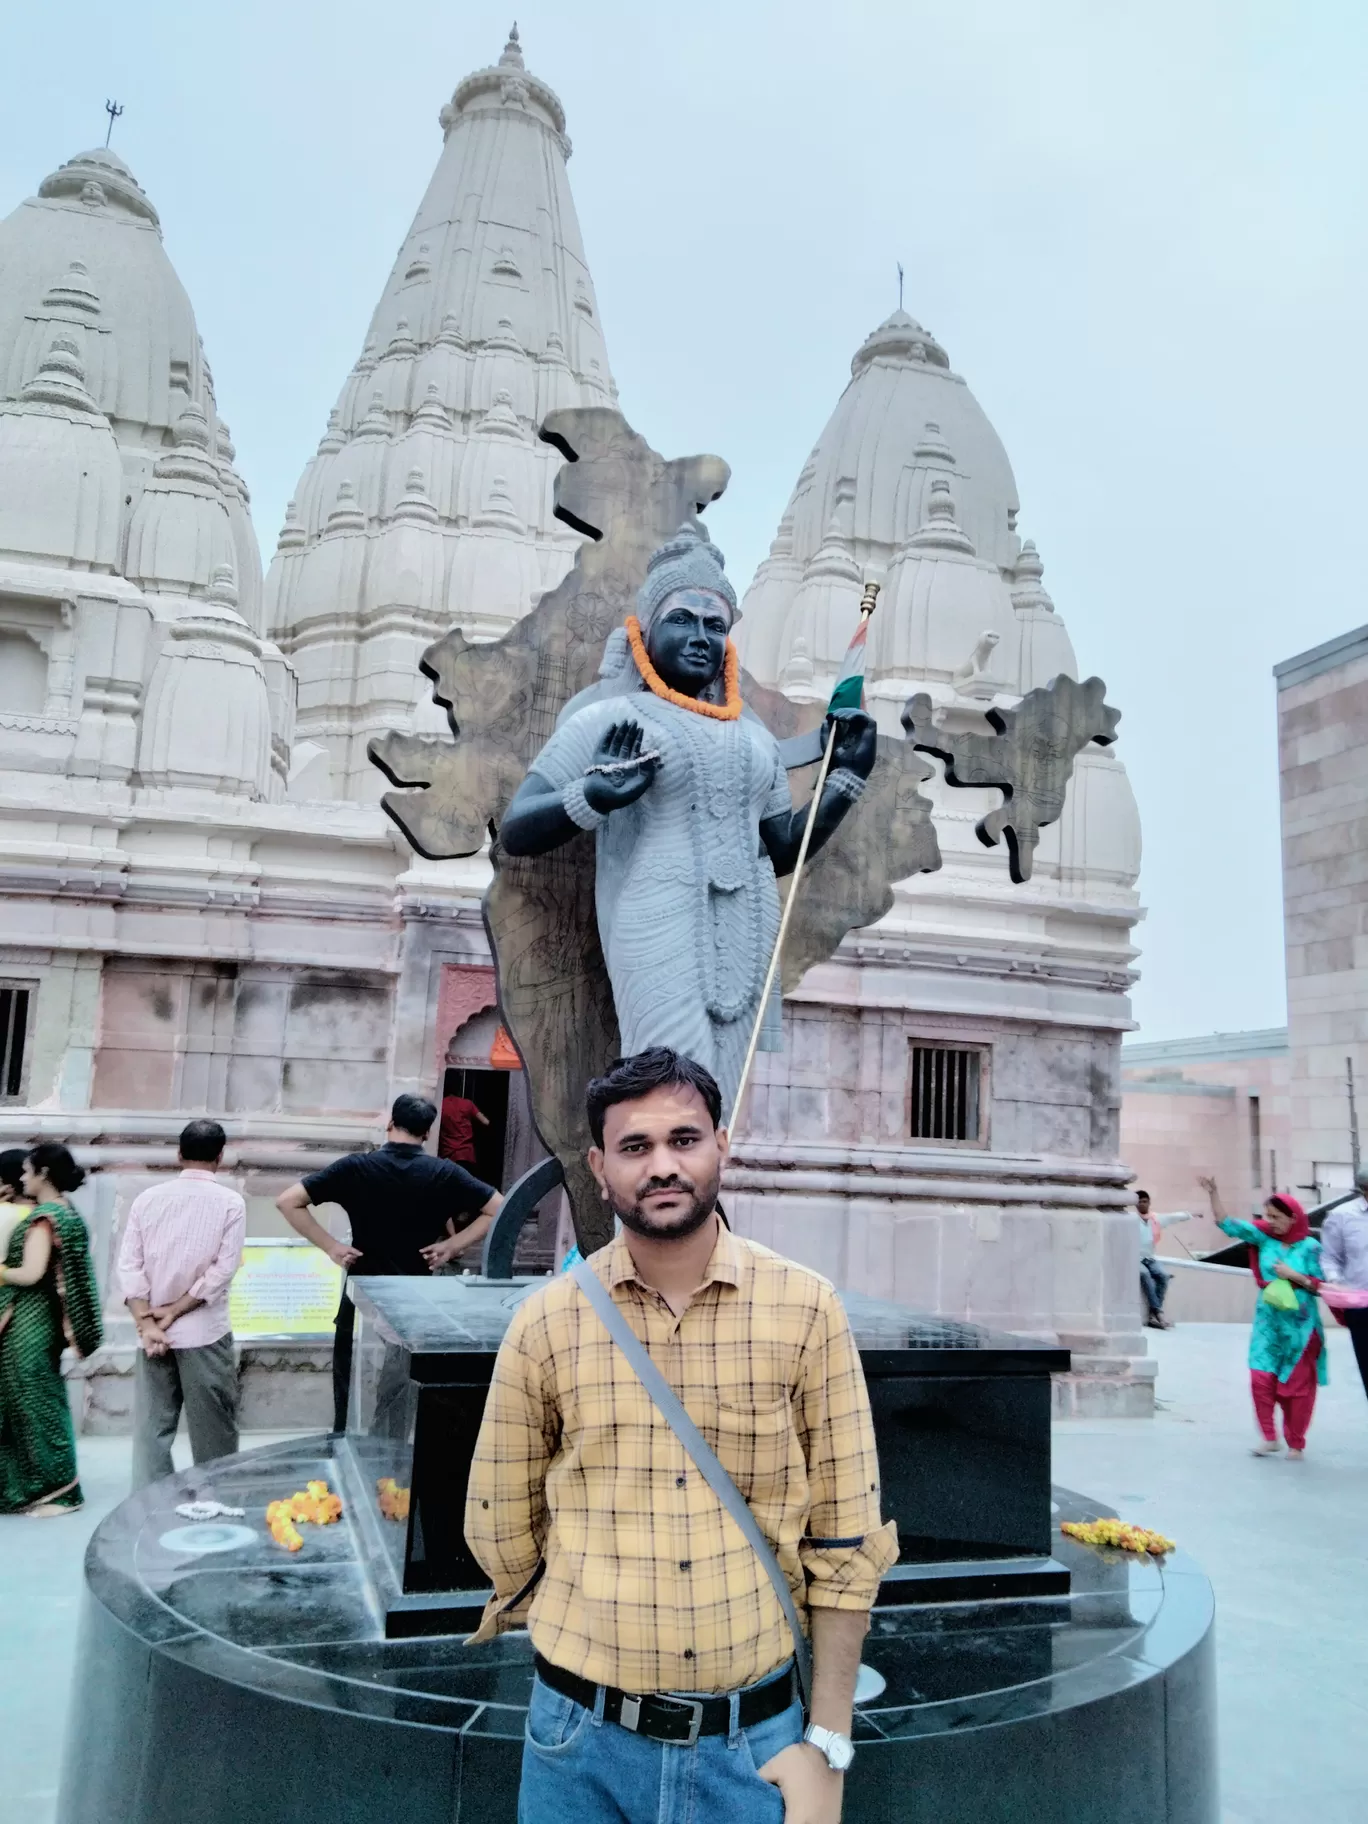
(204, 906)
(429, 501)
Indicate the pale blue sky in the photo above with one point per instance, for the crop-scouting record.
(1138, 232)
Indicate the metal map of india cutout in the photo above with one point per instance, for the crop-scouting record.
(1028, 757)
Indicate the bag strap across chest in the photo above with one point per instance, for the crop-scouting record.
(671, 1408)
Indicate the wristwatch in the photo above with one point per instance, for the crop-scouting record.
(837, 1750)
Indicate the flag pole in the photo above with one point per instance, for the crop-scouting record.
(867, 602)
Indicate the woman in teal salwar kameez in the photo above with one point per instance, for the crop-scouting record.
(48, 1298)
(1287, 1361)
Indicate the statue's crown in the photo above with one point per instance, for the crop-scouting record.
(686, 561)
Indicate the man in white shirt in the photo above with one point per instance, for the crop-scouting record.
(181, 1247)
(1344, 1261)
(1154, 1281)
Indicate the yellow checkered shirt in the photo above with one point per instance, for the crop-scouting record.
(582, 1499)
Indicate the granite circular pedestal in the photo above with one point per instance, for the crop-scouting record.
(220, 1679)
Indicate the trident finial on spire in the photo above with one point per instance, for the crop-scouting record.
(113, 109)
(900, 285)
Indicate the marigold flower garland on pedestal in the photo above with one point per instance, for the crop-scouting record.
(314, 1506)
(727, 711)
(1119, 1533)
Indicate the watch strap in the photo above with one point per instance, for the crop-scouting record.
(836, 1749)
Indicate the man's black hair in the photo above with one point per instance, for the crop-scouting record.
(202, 1142)
(629, 1079)
(1140, 1194)
(12, 1166)
(414, 1115)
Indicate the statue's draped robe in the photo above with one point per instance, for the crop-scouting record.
(687, 905)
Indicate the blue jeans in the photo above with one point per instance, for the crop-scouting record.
(1154, 1283)
(579, 1769)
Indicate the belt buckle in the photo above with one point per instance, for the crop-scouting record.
(629, 1716)
(695, 1709)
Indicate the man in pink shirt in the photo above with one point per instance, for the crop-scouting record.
(180, 1250)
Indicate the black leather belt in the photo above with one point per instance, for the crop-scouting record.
(671, 1719)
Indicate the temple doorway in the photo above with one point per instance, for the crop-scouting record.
(488, 1090)
(480, 1063)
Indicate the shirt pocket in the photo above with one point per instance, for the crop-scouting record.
(758, 1447)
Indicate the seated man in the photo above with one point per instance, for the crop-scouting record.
(582, 1498)
(1154, 1281)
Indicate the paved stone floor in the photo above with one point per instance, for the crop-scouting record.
(1284, 1543)
(1286, 1548)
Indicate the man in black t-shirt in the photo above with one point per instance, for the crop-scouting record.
(409, 1213)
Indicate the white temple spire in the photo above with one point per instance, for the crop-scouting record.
(114, 463)
(487, 323)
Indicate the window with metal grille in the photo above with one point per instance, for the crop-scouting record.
(14, 1021)
(946, 1092)
(1255, 1141)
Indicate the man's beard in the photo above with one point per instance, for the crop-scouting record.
(675, 1228)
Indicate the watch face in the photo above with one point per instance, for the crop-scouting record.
(840, 1752)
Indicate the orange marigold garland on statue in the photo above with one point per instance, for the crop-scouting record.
(1118, 1533)
(314, 1506)
(728, 711)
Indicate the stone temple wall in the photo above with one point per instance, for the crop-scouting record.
(207, 912)
(1027, 1228)
(244, 1038)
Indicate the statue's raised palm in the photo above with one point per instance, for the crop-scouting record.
(620, 771)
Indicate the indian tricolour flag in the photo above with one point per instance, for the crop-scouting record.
(849, 689)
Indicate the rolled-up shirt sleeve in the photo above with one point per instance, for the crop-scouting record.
(133, 1280)
(506, 1513)
(847, 1547)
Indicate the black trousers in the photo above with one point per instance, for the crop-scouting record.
(392, 1415)
(1356, 1322)
(345, 1323)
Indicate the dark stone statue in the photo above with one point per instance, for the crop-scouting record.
(688, 796)
(504, 699)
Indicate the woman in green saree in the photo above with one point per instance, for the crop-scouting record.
(13, 1203)
(48, 1298)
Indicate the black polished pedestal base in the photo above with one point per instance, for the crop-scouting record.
(245, 1683)
(961, 1418)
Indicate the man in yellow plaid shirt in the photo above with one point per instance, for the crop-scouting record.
(665, 1684)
